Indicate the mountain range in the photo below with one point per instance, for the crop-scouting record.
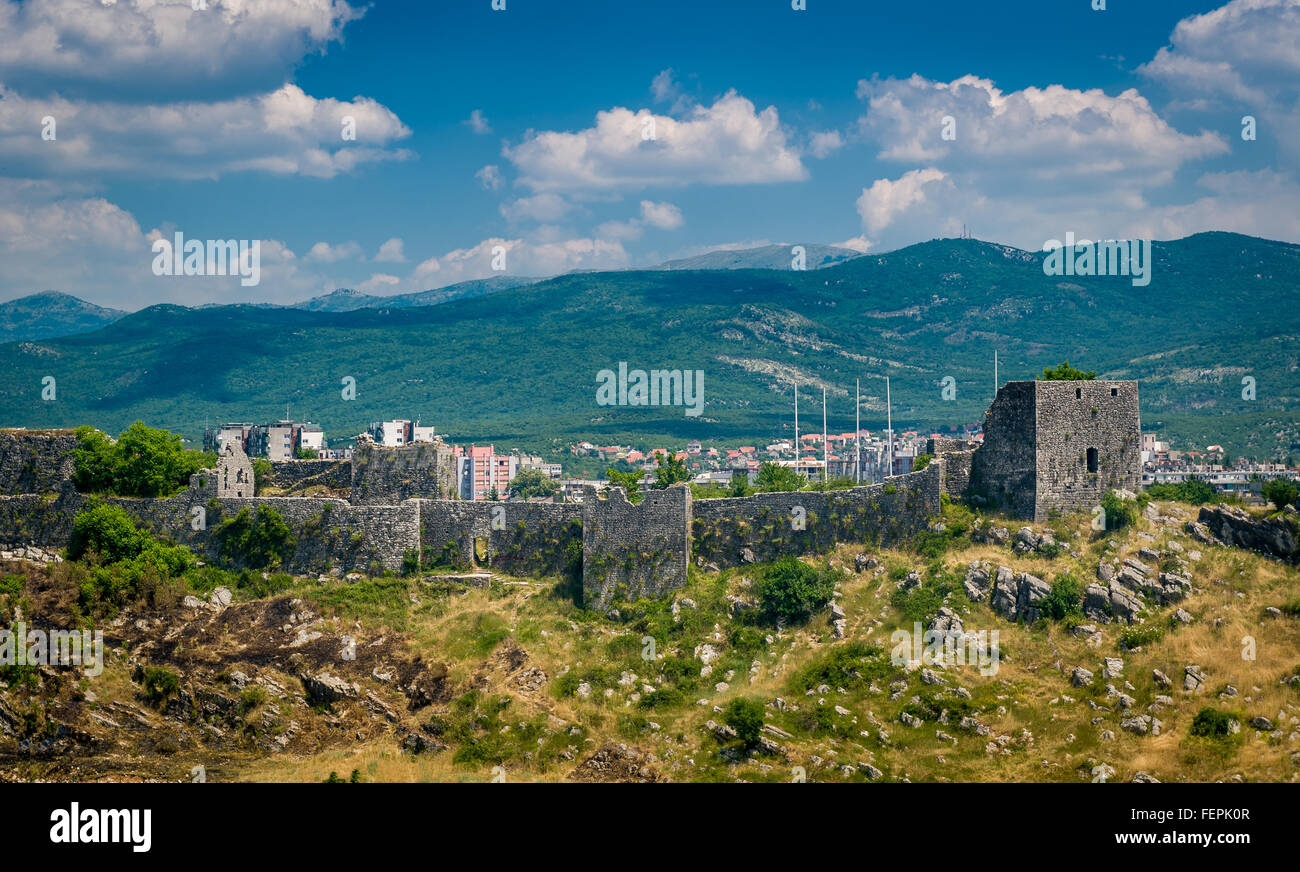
(518, 365)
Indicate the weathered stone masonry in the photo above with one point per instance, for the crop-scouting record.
(1058, 446)
(728, 532)
(632, 551)
(623, 551)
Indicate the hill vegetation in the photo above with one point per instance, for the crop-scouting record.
(518, 367)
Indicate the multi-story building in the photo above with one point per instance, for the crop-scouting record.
(480, 471)
(399, 432)
(215, 438)
(279, 441)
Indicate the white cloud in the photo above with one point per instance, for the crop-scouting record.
(379, 284)
(728, 143)
(662, 86)
(543, 207)
(880, 204)
(477, 122)
(391, 252)
(1240, 59)
(490, 177)
(1053, 135)
(661, 216)
(825, 143)
(162, 49)
(323, 252)
(286, 131)
(1030, 165)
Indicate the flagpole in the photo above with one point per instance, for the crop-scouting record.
(796, 428)
(889, 424)
(826, 451)
(857, 432)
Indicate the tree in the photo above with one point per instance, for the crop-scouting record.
(308, 454)
(1280, 492)
(792, 591)
(739, 486)
(745, 716)
(671, 471)
(1065, 372)
(141, 462)
(530, 483)
(628, 481)
(774, 477)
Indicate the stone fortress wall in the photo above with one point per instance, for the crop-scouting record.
(1035, 459)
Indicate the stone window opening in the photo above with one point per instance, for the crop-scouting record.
(1092, 460)
(1114, 392)
(1078, 393)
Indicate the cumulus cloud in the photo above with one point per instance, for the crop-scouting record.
(521, 256)
(542, 207)
(663, 87)
(1053, 135)
(162, 50)
(661, 216)
(490, 177)
(379, 284)
(477, 123)
(887, 199)
(728, 143)
(1025, 166)
(825, 143)
(286, 131)
(323, 252)
(1244, 58)
(391, 252)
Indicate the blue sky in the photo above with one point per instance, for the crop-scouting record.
(526, 129)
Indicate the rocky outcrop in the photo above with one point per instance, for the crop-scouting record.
(1277, 536)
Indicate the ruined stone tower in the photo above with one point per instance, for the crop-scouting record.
(1058, 446)
(234, 473)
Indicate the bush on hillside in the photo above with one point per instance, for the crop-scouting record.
(792, 591)
(258, 540)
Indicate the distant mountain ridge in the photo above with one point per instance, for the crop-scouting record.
(816, 256)
(51, 314)
(519, 368)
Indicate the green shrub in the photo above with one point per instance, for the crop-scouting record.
(159, 685)
(1194, 490)
(1065, 372)
(1212, 724)
(745, 716)
(792, 591)
(1065, 598)
(773, 477)
(1139, 634)
(259, 540)
(129, 563)
(1280, 492)
(921, 461)
(847, 665)
(1120, 513)
(141, 462)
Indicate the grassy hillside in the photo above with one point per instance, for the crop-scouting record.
(514, 681)
(519, 366)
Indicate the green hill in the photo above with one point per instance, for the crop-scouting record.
(519, 366)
